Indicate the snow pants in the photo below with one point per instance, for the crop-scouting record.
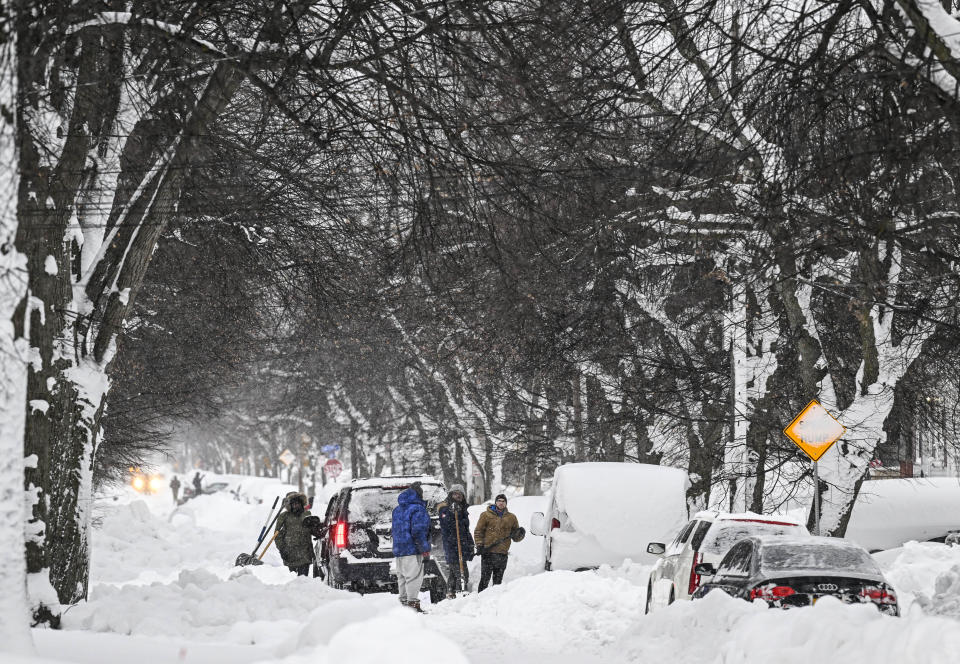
(492, 564)
(409, 577)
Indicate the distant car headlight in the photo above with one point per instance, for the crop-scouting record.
(139, 483)
(156, 484)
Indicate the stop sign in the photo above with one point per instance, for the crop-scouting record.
(333, 468)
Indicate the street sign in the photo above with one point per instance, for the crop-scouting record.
(287, 457)
(814, 430)
(333, 468)
(330, 450)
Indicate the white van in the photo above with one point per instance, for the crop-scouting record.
(603, 513)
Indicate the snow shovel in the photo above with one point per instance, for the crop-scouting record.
(250, 558)
(259, 559)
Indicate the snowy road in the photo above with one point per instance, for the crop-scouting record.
(164, 590)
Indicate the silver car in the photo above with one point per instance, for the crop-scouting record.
(705, 539)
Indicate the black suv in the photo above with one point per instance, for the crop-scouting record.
(356, 549)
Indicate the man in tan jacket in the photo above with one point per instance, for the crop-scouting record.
(493, 534)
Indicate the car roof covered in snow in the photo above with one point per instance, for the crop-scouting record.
(715, 515)
(815, 554)
(392, 481)
(891, 512)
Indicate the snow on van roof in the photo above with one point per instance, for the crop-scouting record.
(392, 480)
(623, 505)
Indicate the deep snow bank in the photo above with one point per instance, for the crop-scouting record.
(719, 628)
(558, 609)
(200, 606)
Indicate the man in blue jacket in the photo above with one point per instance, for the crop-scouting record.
(457, 547)
(411, 544)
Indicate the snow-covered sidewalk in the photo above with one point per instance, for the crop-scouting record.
(164, 590)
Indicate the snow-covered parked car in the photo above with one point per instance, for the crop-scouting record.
(889, 513)
(789, 572)
(604, 513)
(355, 550)
(706, 538)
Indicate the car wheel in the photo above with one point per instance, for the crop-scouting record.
(673, 597)
(646, 609)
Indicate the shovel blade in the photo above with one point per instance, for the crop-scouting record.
(245, 559)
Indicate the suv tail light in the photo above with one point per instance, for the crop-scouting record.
(771, 593)
(879, 595)
(340, 535)
(555, 523)
(694, 577)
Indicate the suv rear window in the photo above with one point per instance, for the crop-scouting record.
(375, 504)
(728, 532)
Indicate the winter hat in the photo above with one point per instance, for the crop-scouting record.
(499, 496)
(417, 489)
(458, 488)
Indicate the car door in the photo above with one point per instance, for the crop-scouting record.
(733, 573)
(329, 518)
(664, 585)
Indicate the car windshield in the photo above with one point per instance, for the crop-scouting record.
(725, 534)
(816, 556)
(375, 504)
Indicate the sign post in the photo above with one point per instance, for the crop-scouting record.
(815, 431)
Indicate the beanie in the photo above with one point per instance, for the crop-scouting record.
(499, 496)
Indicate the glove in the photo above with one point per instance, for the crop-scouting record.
(518, 534)
(479, 550)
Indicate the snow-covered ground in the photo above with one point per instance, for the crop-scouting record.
(164, 589)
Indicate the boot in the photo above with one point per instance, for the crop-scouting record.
(415, 605)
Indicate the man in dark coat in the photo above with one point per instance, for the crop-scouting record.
(197, 484)
(293, 535)
(411, 544)
(458, 550)
(495, 530)
(175, 487)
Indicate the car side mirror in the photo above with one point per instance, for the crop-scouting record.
(705, 569)
(656, 548)
(537, 525)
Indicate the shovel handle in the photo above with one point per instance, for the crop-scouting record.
(260, 541)
(264, 552)
(263, 530)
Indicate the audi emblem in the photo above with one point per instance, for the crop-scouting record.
(827, 587)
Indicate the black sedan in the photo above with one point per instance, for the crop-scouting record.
(787, 572)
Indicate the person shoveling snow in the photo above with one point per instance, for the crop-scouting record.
(457, 541)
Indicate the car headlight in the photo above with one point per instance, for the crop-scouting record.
(139, 483)
(156, 483)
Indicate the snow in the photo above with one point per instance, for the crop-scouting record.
(39, 405)
(890, 512)
(14, 634)
(164, 588)
(50, 265)
(616, 509)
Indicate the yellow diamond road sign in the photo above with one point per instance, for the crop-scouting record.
(814, 430)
